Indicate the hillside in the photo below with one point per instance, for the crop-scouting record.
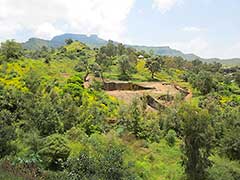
(94, 41)
(77, 113)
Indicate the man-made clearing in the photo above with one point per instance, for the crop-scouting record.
(157, 94)
(154, 89)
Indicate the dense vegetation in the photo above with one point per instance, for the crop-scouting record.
(52, 127)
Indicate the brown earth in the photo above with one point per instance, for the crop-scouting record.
(155, 89)
(128, 91)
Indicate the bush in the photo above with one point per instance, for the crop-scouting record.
(55, 152)
(171, 137)
(224, 169)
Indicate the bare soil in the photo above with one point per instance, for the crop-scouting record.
(127, 91)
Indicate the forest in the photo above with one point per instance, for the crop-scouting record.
(59, 120)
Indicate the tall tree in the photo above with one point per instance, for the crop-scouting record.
(104, 62)
(125, 67)
(198, 139)
(154, 65)
(204, 82)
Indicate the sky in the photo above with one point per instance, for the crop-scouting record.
(208, 28)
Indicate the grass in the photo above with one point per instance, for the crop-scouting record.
(158, 161)
(7, 176)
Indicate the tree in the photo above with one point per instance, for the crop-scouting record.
(68, 41)
(103, 160)
(82, 66)
(154, 65)
(11, 50)
(204, 82)
(197, 65)
(43, 115)
(135, 118)
(32, 81)
(83, 167)
(104, 62)
(11, 110)
(125, 67)
(55, 152)
(237, 78)
(111, 49)
(198, 140)
(121, 49)
(7, 132)
(230, 142)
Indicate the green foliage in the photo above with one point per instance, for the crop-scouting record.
(7, 132)
(11, 50)
(44, 116)
(139, 123)
(171, 137)
(32, 81)
(224, 169)
(93, 115)
(125, 67)
(104, 162)
(68, 41)
(54, 152)
(74, 86)
(154, 65)
(230, 143)
(10, 112)
(198, 140)
(48, 118)
(237, 78)
(204, 82)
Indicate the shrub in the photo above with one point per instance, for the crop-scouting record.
(224, 169)
(55, 152)
(171, 137)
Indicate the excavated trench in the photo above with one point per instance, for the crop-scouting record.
(124, 86)
(155, 103)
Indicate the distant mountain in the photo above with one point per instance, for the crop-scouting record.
(94, 41)
(166, 51)
(58, 41)
(36, 43)
(91, 41)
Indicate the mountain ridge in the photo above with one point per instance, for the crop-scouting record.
(94, 41)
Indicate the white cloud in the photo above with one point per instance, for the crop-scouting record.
(46, 18)
(192, 29)
(47, 30)
(205, 49)
(198, 46)
(165, 5)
